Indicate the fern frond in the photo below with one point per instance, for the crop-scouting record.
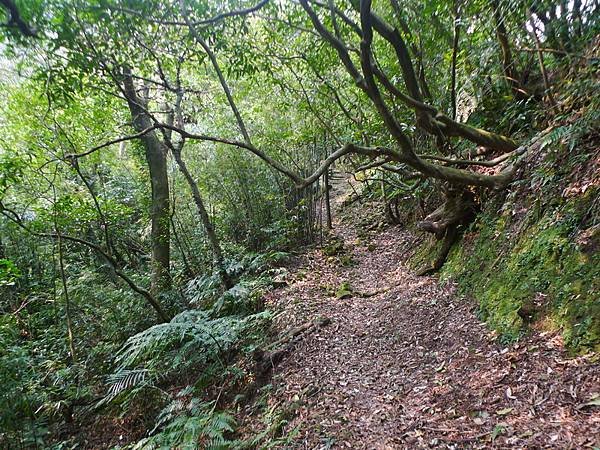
(125, 379)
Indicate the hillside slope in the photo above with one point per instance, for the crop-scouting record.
(531, 259)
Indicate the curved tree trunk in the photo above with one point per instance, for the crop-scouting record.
(449, 239)
(458, 209)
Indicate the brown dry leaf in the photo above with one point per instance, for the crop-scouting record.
(412, 364)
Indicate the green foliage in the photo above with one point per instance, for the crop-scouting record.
(254, 272)
(192, 343)
(63, 95)
(192, 339)
(16, 372)
(8, 273)
(11, 171)
(334, 248)
(274, 418)
(344, 290)
(188, 423)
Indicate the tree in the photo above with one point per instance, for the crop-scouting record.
(156, 156)
(15, 19)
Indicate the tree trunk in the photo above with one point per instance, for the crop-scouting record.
(205, 219)
(506, 58)
(63, 277)
(543, 71)
(455, 42)
(458, 209)
(156, 157)
(449, 239)
(327, 199)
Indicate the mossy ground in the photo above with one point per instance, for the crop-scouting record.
(531, 258)
(530, 270)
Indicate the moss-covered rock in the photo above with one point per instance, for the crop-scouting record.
(344, 290)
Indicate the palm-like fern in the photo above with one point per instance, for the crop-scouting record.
(190, 425)
(192, 339)
(126, 379)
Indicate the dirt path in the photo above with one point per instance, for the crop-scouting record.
(405, 363)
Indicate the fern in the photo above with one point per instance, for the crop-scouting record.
(190, 425)
(555, 136)
(192, 339)
(264, 261)
(125, 379)
(203, 290)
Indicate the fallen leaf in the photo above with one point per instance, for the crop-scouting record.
(593, 401)
(504, 412)
(509, 393)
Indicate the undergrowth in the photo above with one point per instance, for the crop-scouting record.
(178, 371)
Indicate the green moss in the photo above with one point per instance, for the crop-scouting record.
(334, 247)
(347, 261)
(422, 254)
(532, 256)
(344, 291)
(539, 273)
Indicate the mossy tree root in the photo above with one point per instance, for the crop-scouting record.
(450, 238)
(458, 210)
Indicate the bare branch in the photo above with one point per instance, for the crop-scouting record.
(111, 142)
(300, 182)
(200, 23)
(371, 87)
(215, 64)
(340, 14)
(469, 162)
(337, 44)
(239, 12)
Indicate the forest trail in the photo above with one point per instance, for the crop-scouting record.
(405, 362)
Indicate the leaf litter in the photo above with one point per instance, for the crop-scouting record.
(412, 366)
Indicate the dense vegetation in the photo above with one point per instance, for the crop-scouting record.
(160, 160)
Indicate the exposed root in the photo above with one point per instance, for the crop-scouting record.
(458, 209)
(449, 239)
(392, 212)
(266, 360)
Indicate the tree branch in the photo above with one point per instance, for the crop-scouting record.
(299, 181)
(367, 83)
(469, 162)
(111, 142)
(201, 23)
(15, 19)
(14, 217)
(215, 64)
